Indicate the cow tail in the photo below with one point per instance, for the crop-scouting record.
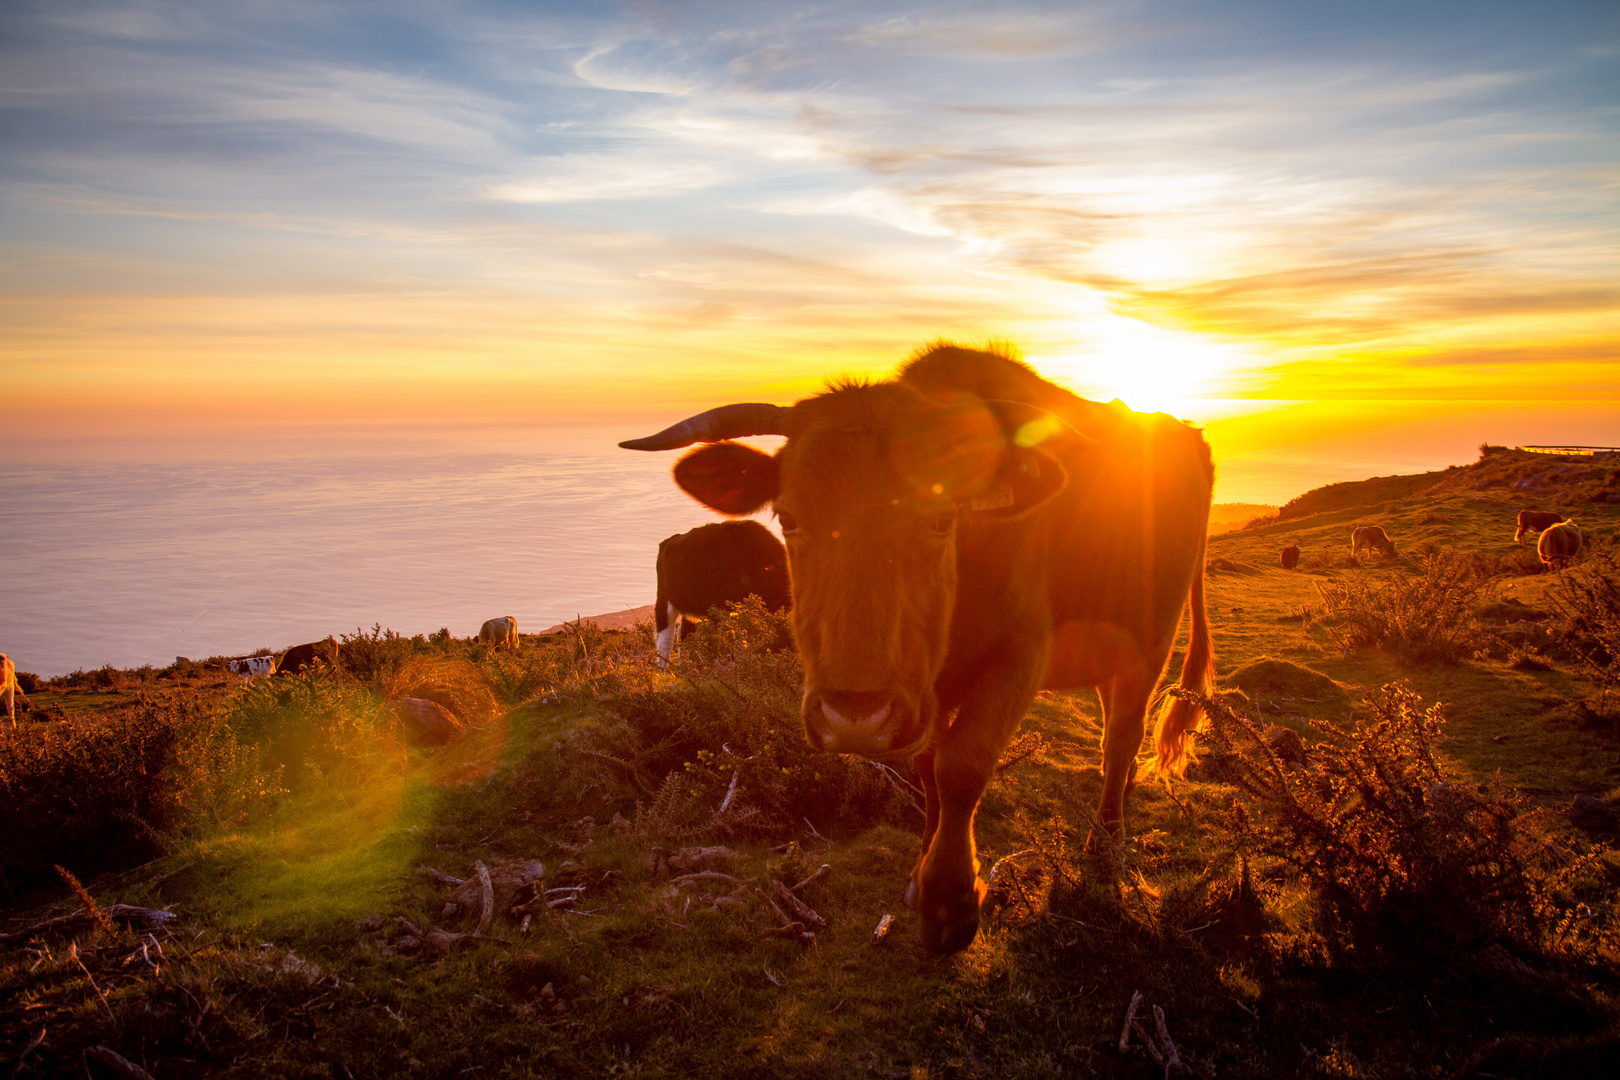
(1180, 717)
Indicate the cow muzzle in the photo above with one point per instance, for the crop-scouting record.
(872, 724)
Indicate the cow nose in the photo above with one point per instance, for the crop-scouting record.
(855, 706)
(855, 722)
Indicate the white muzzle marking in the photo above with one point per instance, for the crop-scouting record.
(858, 735)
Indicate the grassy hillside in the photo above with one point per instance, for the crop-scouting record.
(1408, 899)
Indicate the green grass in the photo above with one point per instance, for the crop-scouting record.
(288, 958)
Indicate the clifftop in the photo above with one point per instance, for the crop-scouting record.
(1544, 481)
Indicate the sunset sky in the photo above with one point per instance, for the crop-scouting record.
(1301, 223)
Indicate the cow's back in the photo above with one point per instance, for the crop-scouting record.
(720, 563)
(1129, 525)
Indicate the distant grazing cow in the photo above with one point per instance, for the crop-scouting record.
(715, 565)
(1559, 543)
(1371, 537)
(1535, 522)
(8, 688)
(251, 667)
(299, 658)
(961, 537)
(499, 632)
(1290, 556)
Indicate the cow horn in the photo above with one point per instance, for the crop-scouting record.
(725, 422)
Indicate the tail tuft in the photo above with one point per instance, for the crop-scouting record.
(1180, 717)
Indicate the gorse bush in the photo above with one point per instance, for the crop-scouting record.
(109, 792)
(1403, 860)
(1423, 616)
(313, 725)
(1587, 600)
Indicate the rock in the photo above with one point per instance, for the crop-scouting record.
(424, 722)
(1287, 745)
(1591, 814)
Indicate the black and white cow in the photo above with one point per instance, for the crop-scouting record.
(251, 667)
(715, 565)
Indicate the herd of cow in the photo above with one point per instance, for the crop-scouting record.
(1559, 540)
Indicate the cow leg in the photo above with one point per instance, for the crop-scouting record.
(1125, 703)
(925, 775)
(949, 889)
(665, 621)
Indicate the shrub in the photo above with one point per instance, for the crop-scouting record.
(109, 791)
(733, 729)
(1402, 858)
(310, 725)
(1587, 600)
(375, 657)
(1423, 616)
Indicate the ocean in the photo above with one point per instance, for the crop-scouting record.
(130, 552)
(134, 553)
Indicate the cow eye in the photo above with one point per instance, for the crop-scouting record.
(942, 524)
(789, 523)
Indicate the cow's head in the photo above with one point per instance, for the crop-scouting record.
(870, 490)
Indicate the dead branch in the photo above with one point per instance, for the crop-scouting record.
(826, 868)
(117, 1062)
(488, 911)
(145, 918)
(881, 934)
(1147, 1041)
(1130, 1018)
(801, 911)
(781, 916)
(439, 878)
(901, 784)
(793, 931)
(1173, 1065)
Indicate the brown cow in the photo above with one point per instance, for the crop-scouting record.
(1371, 537)
(946, 565)
(1290, 556)
(1535, 521)
(1559, 543)
(8, 688)
(500, 633)
(301, 657)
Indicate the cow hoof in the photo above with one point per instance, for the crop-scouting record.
(951, 926)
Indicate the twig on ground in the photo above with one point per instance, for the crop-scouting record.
(881, 934)
(440, 878)
(117, 1062)
(489, 899)
(1130, 1018)
(801, 911)
(73, 952)
(826, 868)
(146, 918)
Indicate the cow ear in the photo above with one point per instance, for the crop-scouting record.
(1026, 480)
(729, 477)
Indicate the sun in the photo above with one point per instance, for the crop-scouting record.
(1149, 368)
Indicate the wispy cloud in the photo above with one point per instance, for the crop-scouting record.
(1425, 191)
